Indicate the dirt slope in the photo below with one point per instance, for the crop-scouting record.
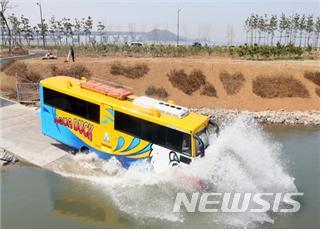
(211, 67)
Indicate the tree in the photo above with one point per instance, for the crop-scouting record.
(87, 24)
(26, 29)
(253, 25)
(282, 26)
(309, 28)
(100, 29)
(52, 28)
(295, 26)
(302, 26)
(132, 30)
(247, 29)
(4, 4)
(272, 27)
(77, 30)
(15, 25)
(261, 28)
(42, 29)
(67, 29)
(317, 30)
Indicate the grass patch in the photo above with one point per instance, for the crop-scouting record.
(313, 76)
(317, 91)
(208, 90)
(156, 91)
(133, 72)
(232, 83)
(75, 70)
(187, 83)
(279, 87)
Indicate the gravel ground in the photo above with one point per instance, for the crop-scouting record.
(305, 118)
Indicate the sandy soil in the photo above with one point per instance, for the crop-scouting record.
(211, 66)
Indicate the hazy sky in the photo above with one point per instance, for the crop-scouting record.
(197, 18)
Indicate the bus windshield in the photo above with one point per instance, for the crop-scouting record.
(203, 137)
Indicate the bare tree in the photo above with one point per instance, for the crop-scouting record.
(4, 4)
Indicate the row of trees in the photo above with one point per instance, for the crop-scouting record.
(300, 30)
(56, 30)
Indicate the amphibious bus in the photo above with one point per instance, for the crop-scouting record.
(101, 117)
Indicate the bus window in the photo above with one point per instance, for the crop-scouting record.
(72, 105)
(154, 133)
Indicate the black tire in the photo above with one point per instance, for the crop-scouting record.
(85, 150)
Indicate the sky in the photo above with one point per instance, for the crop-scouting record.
(198, 19)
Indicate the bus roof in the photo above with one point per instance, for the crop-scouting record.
(191, 123)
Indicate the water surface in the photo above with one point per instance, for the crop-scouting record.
(36, 198)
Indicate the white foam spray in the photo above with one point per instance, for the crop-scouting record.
(243, 158)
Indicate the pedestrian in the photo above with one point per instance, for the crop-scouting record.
(72, 54)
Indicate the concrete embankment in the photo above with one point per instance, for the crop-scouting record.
(21, 135)
(305, 118)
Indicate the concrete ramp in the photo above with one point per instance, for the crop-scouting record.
(21, 135)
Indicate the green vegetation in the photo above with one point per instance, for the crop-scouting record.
(268, 37)
(133, 72)
(232, 83)
(156, 91)
(279, 87)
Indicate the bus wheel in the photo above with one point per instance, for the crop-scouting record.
(85, 150)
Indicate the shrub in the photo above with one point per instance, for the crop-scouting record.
(33, 76)
(156, 91)
(7, 64)
(232, 83)
(196, 79)
(187, 83)
(133, 72)
(22, 72)
(209, 90)
(272, 87)
(76, 71)
(19, 68)
(313, 76)
(317, 91)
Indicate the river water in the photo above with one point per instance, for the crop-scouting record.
(244, 158)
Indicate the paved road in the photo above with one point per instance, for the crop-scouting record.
(21, 135)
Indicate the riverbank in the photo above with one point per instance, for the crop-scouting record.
(302, 118)
(237, 84)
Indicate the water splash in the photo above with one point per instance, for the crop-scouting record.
(243, 158)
